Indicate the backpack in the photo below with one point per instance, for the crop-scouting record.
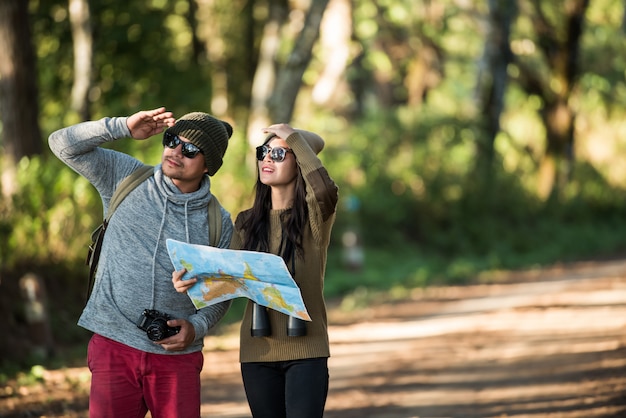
(125, 187)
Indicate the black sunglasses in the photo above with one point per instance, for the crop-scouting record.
(277, 154)
(189, 150)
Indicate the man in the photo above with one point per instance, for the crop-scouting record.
(132, 373)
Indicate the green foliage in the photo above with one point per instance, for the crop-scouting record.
(36, 375)
(143, 58)
(425, 217)
(49, 218)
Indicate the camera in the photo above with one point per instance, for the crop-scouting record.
(155, 325)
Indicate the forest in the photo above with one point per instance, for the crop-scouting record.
(466, 137)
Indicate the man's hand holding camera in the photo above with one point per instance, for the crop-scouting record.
(182, 339)
(170, 333)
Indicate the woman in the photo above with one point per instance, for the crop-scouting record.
(285, 374)
(292, 216)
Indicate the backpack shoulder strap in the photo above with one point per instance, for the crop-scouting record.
(127, 185)
(214, 214)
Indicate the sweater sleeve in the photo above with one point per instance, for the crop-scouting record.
(206, 318)
(78, 146)
(322, 192)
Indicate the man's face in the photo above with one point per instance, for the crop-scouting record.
(186, 172)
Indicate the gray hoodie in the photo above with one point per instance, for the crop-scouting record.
(135, 271)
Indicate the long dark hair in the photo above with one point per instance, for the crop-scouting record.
(293, 220)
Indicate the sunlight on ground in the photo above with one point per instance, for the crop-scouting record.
(534, 350)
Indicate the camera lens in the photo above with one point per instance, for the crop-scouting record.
(157, 330)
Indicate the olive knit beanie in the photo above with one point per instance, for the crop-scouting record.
(207, 133)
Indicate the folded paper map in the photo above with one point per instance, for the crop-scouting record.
(228, 274)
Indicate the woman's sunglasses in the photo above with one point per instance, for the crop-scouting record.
(277, 154)
(188, 150)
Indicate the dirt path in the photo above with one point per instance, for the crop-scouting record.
(550, 343)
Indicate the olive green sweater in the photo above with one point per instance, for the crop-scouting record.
(322, 196)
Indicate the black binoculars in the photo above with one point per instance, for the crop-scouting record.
(261, 326)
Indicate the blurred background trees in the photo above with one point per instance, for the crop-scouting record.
(466, 137)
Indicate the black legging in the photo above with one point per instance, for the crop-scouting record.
(286, 389)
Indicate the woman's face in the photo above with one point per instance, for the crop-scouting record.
(278, 174)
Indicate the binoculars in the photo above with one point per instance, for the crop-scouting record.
(261, 326)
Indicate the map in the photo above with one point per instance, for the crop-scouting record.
(228, 274)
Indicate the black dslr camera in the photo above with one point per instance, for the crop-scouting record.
(155, 325)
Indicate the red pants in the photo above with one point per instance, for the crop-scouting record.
(126, 382)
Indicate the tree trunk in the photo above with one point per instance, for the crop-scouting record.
(199, 51)
(335, 40)
(83, 56)
(561, 51)
(556, 164)
(492, 85)
(558, 116)
(265, 75)
(283, 99)
(19, 107)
